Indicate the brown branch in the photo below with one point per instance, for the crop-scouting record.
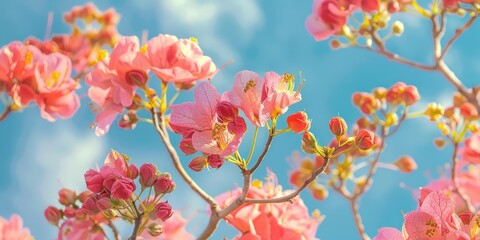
(265, 150)
(218, 215)
(138, 221)
(289, 197)
(456, 188)
(116, 234)
(5, 113)
(358, 219)
(159, 124)
(458, 32)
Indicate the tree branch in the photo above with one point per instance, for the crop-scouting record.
(457, 34)
(265, 150)
(5, 113)
(456, 188)
(159, 124)
(289, 197)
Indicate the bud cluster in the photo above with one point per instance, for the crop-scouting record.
(111, 194)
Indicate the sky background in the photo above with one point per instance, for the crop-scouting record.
(38, 157)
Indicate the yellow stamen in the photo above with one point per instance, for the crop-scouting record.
(249, 85)
(194, 40)
(257, 183)
(144, 48)
(28, 57)
(102, 54)
(53, 79)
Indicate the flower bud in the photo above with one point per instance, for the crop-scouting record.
(163, 211)
(128, 121)
(393, 6)
(406, 164)
(83, 195)
(364, 139)
(67, 197)
(90, 205)
(226, 111)
(104, 203)
(109, 213)
(148, 173)
(298, 122)
(70, 212)
(186, 144)
(439, 143)
(136, 78)
(132, 171)
(335, 44)
(338, 126)
(397, 28)
(53, 215)
(123, 188)
(198, 164)
(94, 181)
(238, 126)
(297, 178)
(163, 184)
(155, 229)
(380, 93)
(434, 111)
(108, 180)
(410, 95)
(309, 143)
(215, 161)
(319, 192)
(468, 111)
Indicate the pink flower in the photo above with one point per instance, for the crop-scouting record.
(178, 60)
(328, 17)
(13, 229)
(123, 188)
(112, 87)
(270, 221)
(388, 233)
(94, 181)
(199, 120)
(148, 174)
(262, 98)
(56, 89)
(173, 228)
(79, 229)
(17, 64)
(471, 151)
(117, 162)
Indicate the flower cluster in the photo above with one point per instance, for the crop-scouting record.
(114, 80)
(111, 194)
(91, 29)
(287, 220)
(435, 219)
(27, 75)
(13, 229)
(212, 125)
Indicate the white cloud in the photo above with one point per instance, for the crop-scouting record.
(54, 157)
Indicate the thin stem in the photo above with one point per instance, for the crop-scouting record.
(5, 113)
(138, 221)
(458, 32)
(114, 230)
(159, 124)
(265, 150)
(253, 145)
(457, 189)
(289, 197)
(358, 219)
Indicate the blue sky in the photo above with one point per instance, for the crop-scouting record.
(39, 157)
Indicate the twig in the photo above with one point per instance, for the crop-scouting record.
(138, 221)
(457, 34)
(159, 124)
(265, 150)
(5, 113)
(456, 188)
(358, 219)
(289, 197)
(114, 230)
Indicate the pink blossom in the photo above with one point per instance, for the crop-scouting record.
(17, 64)
(94, 181)
(178, 60)
(111, 87)
(174, 228)
(289, 220)
(262, 98)
(148, 174)
(56, 89)
(471, 151)
(163, 211)
(328, 17)
(388, 233)
(117, 162)
(13, 228)
(210, 136)
(73, 229)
